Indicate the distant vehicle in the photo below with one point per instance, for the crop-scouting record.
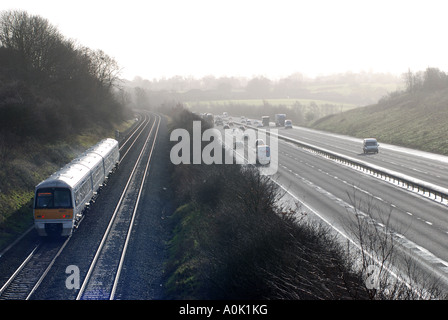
(226, 126)
(280, 119)
(249, 122)
(263, 154)
(288, 124)
(370, 145)
(265, 121)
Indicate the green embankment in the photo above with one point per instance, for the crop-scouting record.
(418, 120)
(28, 164)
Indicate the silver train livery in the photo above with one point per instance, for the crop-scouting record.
(60, 200)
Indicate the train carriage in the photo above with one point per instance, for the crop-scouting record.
(61, 199)
(108, 150)
(94, 162)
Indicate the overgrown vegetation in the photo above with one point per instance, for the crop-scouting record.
(392, 273)
(232, 240)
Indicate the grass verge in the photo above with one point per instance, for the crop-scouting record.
(26, 164)
(417, 121)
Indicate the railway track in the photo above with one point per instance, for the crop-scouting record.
(103, 275)
(28, 276)
(25, 280)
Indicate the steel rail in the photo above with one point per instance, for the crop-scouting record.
(30, 257)
(111, 222)
(42, 277)
(144, 124)
(123, 255)
(19, 269)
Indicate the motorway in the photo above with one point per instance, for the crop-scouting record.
(328, 190)
(421, 165)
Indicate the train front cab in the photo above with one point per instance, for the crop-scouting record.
(53, 211)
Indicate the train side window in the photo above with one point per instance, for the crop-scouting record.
(83, 191)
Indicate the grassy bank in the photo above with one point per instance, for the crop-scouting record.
(415, 120)
(27, 162)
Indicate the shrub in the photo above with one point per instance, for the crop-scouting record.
(231, 240)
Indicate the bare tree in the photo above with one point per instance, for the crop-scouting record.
(103, 67)
(390, 273)
(33, 37)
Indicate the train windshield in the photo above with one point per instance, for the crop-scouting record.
(53, 198)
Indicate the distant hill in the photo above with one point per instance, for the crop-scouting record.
(414, 118)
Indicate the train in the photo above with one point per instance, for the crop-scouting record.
(61, 200)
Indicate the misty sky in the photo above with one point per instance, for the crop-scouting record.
(163, 38)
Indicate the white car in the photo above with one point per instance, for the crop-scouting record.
(263, 154)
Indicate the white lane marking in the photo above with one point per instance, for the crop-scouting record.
(422, 252)
(362, 190)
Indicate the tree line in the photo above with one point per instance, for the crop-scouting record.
(50, 86)
(429, 80)
(359, 88)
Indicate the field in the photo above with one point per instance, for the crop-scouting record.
(350, 89)
(313, 100)
(273, 102)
